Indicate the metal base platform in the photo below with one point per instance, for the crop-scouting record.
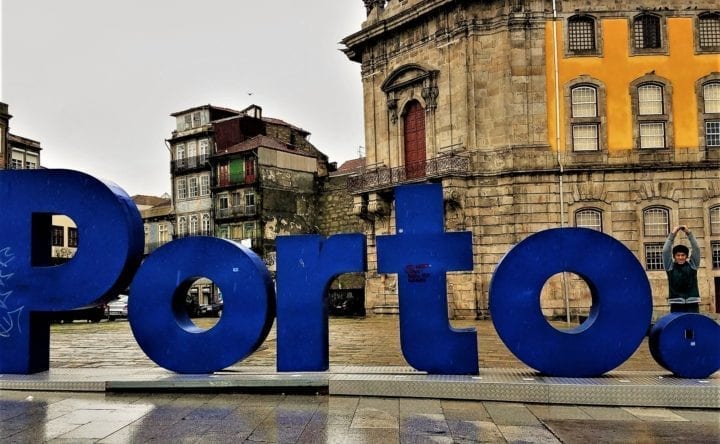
(511, 385)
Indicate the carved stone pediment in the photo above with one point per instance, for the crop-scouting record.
(408, 77)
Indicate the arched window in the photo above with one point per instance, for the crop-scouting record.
(650, 99)
(581, 34)
(182, 226)
(414, 138)
(589, 218)
(205, 224)
(656, 225)
(715, 220)
(715, 236)
(656, 221)
(193, 224)
(584, 101)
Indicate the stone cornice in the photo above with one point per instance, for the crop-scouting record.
(380, 27)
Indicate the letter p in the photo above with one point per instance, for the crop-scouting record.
(110, 245)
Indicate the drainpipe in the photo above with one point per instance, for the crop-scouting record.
(561, 170)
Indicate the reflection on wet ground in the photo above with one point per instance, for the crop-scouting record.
(31, 417)
(371, 341)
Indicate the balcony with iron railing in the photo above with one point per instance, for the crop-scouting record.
(189, 163)
(196, 233)
(382, 177)
(232, 180)
(236, 211)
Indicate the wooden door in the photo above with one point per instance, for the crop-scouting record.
(414, 132)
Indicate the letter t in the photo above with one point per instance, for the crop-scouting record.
(421, 253)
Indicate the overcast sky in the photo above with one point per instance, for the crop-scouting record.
(95, 80)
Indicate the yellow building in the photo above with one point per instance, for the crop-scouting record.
(541, 114)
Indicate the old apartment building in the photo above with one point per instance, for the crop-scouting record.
(237, 175)
(542, 114)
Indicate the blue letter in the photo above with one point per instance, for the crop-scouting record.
(421, 253)
(306, 266)
(687, 344)
(110, 245)
(159, 320)
(621, 302)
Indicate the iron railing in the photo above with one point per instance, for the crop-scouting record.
(234, 179)
(240, 210)
(378, 178)
(197, 233)
(189, 163)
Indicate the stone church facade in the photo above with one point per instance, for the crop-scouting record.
(536, 115)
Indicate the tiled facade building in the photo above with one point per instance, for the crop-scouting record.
(541, 114)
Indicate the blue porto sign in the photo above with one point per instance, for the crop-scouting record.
(421, 253)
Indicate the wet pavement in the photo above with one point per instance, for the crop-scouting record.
(211, 417)
(371, 341)
(219, 418)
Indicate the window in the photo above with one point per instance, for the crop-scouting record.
(223, 202)
(656, 221)
(584, 101)
(205, 185)
(192, 154)
(589, 218)
(585, 121)
(236, 199)
(653, 256)
(581, 34)
(31, 164)
(650, 100)
(250, 203)
(182, 226)
(709, 31)
(711, 98)
(712, 133)
(180, 151)
(203, 150)
(163, 235)
(182, 188)
(652, 135)
(249, 230)
(709, 110)
(715, 251)
(715, 220)
(58, 236)
(585, 137)
(16, 164)
(646, 32)
(193, 224)
(193, 188)
(205, 227)
(72, 237)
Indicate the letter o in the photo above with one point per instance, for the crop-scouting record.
(161, 324)
(687, 344)
(620, 313)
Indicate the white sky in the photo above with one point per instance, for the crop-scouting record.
(95, 80)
